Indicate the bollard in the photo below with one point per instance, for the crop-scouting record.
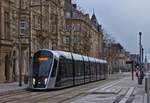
(146, 84)
(147, 87)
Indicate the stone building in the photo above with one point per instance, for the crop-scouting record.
(13, 40)
(83, 35)
(97, 38)
(8, 41)
(116, 56)
(48, 24)
(53, 26)
(119, 61)
(47, 28)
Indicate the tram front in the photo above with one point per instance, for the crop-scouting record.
(41, 67)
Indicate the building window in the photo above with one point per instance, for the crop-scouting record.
(66, 40)
(23, 27)
(54, 23)
(68, 27)
(76, 39)
(6, 24)
(76, 27)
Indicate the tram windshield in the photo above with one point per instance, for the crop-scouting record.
(42, 62)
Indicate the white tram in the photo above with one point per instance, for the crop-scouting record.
(59, 69)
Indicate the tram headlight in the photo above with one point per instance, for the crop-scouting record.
(33, 81)
(45, 80)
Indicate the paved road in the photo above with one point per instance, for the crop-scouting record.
(48, 97)
(112, 90)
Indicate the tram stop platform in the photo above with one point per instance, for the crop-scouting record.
(124, 90)
(6, 88)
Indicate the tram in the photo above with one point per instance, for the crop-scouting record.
(59, 69)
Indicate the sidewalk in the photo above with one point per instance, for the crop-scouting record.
(139, 95)
(6, 88)
(125, 90)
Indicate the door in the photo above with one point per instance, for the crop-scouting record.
(7, 73)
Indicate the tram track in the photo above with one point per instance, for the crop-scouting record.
(75, 94)
(30, 96)
(57, 96)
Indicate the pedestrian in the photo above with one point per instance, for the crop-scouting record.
(140, 75)
(137, 73)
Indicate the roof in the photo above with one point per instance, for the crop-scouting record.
(69, 55)
(94, 20)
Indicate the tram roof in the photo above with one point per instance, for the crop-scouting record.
(75, 56)
(85, 58)
(62, 53)
(79, 57)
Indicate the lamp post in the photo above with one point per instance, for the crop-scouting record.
(142, 55)
(140, 48)
(140, 77)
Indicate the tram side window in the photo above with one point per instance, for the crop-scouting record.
(79, 71)
(95, 66)
(87, 68)
(100, 68)
(81, 68)
(62, 67)
(69, 69)
(65, 70)
(54, 68)
(92, 68)
(66, 67)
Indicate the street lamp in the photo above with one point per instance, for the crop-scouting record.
(142, 55)
(140, 79)
(140, 48)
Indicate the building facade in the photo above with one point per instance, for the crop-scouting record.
(29, 25)
(83, 35)
(116, 56)
(8, 41)
(16, 34)
(47, 24)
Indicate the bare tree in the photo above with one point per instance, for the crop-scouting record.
(110, 52)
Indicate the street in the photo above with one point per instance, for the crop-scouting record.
(76, 51)
(113, 90)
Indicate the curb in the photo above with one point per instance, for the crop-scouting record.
(127, 96)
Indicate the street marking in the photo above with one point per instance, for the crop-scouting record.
(128, 94)
(109, 86)
(106, 86)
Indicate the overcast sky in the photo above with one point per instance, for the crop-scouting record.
(123, 19)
